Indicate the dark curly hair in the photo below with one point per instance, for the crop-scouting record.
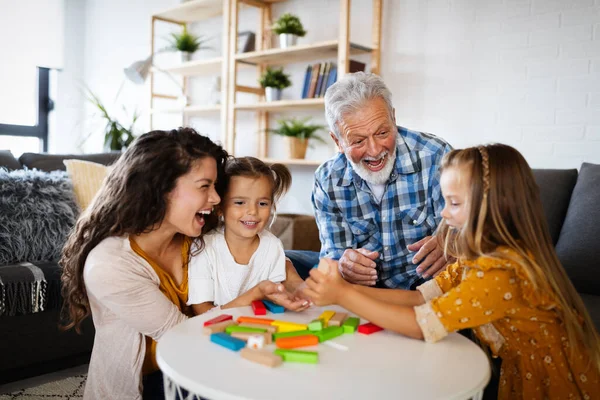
(133, 200)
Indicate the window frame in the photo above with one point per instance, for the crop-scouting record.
(45, 105)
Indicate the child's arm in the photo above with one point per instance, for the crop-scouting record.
(202, 307)
(393, 296)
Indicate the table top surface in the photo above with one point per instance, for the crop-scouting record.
(383, 365)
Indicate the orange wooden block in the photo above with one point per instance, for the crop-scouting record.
(264, 357)
(297, 341)
(245, 335)
(218, 327)
(254, 320)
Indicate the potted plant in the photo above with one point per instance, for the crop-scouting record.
(288, 27)
(116, 136)
(186, 43)
(298, 132)
(274, 80)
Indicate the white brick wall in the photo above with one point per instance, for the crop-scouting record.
(529, 74)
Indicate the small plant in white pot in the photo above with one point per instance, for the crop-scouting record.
(274, 80)
(289, 28)
(186, 43)
(298, 132)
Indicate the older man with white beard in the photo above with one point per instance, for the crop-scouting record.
(378, 202)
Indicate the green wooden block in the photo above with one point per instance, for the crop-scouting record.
(299, 356)
(290, 334)
(351, 324)
(237, 328)
(329, 333)
(316, 325)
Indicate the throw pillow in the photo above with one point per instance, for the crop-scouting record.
(37, 212)
(87, 178)
(8, 161)
(577, 246)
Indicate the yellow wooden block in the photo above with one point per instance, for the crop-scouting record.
(326, 316)
(285, 326)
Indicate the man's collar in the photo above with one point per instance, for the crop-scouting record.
(406, 162)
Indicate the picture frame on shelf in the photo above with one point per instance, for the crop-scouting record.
(246, 42)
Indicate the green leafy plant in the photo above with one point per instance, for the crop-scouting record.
(186, 41)
(116, 136)
(275, 78)
(288, 23)
(298, 128)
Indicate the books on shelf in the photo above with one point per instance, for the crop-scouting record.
(319, 77)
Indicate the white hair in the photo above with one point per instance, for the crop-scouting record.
(350, 93)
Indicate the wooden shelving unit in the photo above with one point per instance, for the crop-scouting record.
(228, 64)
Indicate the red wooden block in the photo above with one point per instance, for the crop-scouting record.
(259, 308)
(218, 319)
(369, 328)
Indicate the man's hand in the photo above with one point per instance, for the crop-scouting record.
(325, 285)
(358, 266)
(430, 256)
(276, 293)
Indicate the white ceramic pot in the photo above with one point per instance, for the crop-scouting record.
(185, 56)
(272, 94)
(287, 40)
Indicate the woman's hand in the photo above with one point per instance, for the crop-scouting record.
(276, 293)
(325, 285)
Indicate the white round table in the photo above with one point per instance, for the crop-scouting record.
(383, 365)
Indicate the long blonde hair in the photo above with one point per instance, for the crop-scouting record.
(506, 210)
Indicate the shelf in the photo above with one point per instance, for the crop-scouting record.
(283, 105)
(190, 111)
(190, 11)
(293, 161)
(196, 67)
(298, 53)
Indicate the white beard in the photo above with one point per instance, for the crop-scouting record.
(374, 178)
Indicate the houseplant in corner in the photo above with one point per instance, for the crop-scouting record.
(116, 136)
(297, 133)
(186, 43)
(288, 27)
(274, 81)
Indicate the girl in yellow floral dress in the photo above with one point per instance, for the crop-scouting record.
(507, 284)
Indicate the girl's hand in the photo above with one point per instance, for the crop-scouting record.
(325, 285)
(276, 293)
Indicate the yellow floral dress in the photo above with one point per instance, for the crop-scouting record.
(520, 325)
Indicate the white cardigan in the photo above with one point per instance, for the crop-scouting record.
(126, 304)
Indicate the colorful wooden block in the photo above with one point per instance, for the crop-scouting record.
(263, 357)
(237, 328)
(338, 319)
(227, 341)
(280, 335)
(351, 324)
(329, 333)
(316, 325)
(286, 326)
(259, 308)
(269, 328)
(297, 341)
(256, 342)
(274, 308)
(300, 356)
(218, 319)
(369, 328)
(216, 328)
(255, 320)
(326, 316)
(245, 336)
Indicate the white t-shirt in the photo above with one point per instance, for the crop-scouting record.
(378, 190)
(215, 276)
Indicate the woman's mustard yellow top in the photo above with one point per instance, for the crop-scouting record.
(519, 324)
(178, 294)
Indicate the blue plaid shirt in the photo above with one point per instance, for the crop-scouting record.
(349, 216)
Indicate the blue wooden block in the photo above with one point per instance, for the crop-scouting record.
(227, 341)
(274, 308)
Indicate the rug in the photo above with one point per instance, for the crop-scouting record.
(64, 389)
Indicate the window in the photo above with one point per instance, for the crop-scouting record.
(24, 111)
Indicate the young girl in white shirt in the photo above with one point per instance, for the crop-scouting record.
(241, 253)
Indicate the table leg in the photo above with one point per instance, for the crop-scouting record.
(478, 396)
(175, 392)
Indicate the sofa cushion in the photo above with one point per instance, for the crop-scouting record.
(37, 212)
(54, 162)
(87, 178)
(578, 245)
(8, 161)
(556, 186)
